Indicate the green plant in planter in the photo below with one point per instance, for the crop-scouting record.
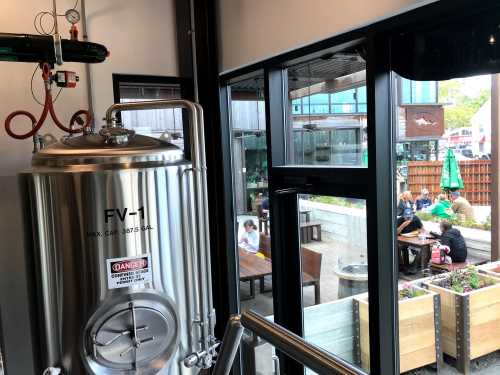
(408, 292)
(466, 223)
(463, 281)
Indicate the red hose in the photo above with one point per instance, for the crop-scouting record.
(31, 117)
(48, 107)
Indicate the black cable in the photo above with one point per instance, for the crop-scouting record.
(38, 25)
(33, 93)
(58, 93)
(41, 23)
(31, 85)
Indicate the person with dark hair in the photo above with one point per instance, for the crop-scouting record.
(452, 238)
(249, 240)
(408, 222)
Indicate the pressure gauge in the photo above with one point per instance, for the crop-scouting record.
(72, 16)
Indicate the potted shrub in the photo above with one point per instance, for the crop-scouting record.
(419, 339)
(470, 314)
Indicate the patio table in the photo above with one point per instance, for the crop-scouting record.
(253, 268)
(405, 243)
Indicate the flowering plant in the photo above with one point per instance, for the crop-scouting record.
(463, 281)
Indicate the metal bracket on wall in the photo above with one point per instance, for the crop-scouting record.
(357, 335)
(462, 315)
(437, 332)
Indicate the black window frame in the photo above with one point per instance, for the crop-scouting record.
(380, 196)
(287, 181)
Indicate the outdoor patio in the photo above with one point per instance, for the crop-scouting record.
(318, 319)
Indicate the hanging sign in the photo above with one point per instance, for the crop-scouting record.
(423, 121)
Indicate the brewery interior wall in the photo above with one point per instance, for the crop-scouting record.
(128, 28)
(252, 30)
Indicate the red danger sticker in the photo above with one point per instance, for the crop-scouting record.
(130, 271)
(129, 265)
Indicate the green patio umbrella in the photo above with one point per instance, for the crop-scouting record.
(450, 174)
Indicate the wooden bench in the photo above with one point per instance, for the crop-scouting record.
(307, 232)
(311, 271)
(311, 266)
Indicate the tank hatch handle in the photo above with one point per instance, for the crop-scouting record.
(136, 341)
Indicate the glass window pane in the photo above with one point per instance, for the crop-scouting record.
(153, 122)
(361, 94)
(319, 99)
(348, 96)
(423, 92)
(335, 275)
(429, 215)
(405, 91)
(344, 108)
(297, 106)
(318, 108)
(250, 185)
(332, 124)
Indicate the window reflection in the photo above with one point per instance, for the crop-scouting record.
(327, 103)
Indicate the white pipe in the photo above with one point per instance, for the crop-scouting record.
(57, 37)
(90, 99)
(192, 34)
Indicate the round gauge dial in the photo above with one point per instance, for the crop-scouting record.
(72, 16)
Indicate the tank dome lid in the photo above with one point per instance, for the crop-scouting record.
(112, 146)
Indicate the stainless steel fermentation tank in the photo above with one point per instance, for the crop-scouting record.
(120, 255)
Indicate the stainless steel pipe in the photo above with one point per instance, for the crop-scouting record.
(229, 348)
(205, 318)
(285, 341)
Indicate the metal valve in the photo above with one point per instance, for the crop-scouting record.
(203, 358)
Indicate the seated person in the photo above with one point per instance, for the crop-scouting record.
(452, 238)
(408, 222)
(424, 200)
(405, 201)
(249, 240)
(442, 208)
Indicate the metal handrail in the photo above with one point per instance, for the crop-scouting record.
(285, 341)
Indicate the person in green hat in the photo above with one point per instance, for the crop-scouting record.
(442, 207)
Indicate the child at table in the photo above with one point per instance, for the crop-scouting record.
(249, 240)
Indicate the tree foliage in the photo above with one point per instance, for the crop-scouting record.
(461, 107)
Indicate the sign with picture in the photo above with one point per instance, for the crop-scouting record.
(424, 121)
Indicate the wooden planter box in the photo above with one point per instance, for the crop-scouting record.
(419, 328)
(491, 269)
(470, 322)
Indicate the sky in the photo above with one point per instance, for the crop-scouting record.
(471, 86)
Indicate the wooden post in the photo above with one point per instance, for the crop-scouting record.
(495, 209)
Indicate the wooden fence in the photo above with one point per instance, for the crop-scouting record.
(476, 175)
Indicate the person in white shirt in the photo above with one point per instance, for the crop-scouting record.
(249, 240)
